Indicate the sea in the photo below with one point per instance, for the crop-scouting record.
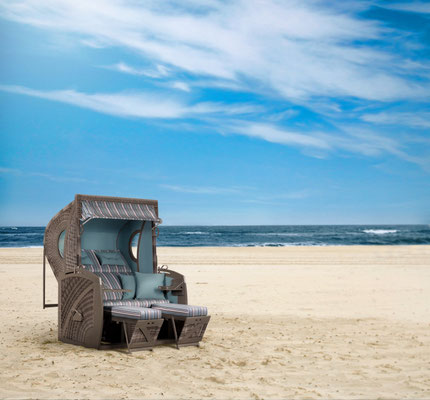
(251, 236)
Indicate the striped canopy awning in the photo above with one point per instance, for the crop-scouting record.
(118, 210)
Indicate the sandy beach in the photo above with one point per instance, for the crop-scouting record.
(290, 322)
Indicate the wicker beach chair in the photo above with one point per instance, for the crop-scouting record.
(88, 245)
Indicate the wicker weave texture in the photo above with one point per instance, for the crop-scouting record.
(138, 338)
(77, 294)
(58, 224)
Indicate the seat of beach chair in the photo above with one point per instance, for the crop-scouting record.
(143, 313)
(180, 310)
(133, 302)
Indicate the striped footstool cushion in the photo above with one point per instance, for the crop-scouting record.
(133, 302)
(182, 310)
(134, 312)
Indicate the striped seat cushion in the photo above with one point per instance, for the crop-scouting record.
(134, 312)
(133, 302)
(110, 281)
(183, 310)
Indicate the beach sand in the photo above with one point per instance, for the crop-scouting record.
(290, 322)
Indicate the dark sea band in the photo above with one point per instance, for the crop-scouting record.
(243, 236)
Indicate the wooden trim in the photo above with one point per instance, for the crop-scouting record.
(129, 245)
(154, 248)
(138, 247)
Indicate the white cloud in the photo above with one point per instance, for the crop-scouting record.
(414, 6)
(408, 119)
(274, 134)
(181, 86)
(54, 178)
(147, 105)
(124, 104)
(158, 72)
(201, 189)
(299, 49)
(318, 144)
(136, 104)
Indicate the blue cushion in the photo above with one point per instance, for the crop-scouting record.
(147, 286)
(134, 312)
(168, 282)
(183, 310)
(133, 302)
(113, 257)
(128, 283)
(89, 258)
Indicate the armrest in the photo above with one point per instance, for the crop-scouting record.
(170, 288)
(116, 290)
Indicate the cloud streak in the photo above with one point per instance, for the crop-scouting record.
(298, 50)
(135, 104)
(53, 178)
(201, 189)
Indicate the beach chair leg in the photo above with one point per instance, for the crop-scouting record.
(174, 332)
(126, 336)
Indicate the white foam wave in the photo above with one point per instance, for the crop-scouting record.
(275, 234)
(379, 231)
(277, 244)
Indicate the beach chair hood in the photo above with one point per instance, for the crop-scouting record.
(113, 218)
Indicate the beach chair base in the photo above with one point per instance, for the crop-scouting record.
(187, 331)
(139, 334)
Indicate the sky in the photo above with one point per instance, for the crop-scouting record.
(227, 112)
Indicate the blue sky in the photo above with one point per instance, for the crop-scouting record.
(227, 112)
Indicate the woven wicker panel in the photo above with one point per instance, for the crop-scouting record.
(76, 294)
(58, 224)
(193, 329)
(71, 242)
(137, 338)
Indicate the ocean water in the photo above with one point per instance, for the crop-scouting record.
(275, 235)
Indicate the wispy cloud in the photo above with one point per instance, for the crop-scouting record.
(124, 104)
(297, 49)
(275, 134)
(408, 119)
(201, 189)
(181, 86)
(159, 71)
(135, 104)
(315, 143)
(54, 178)
(413, 6)
(350, 138)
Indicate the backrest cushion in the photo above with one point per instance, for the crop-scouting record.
(108, 265)
(128, 282)
(147, 286)
(113, 261)
(89, 260)
(110, 281)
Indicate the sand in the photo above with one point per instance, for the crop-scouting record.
(294, 322)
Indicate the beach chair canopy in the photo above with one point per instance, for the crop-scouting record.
(103, 223)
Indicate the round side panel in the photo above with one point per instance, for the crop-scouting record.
(54, 240)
